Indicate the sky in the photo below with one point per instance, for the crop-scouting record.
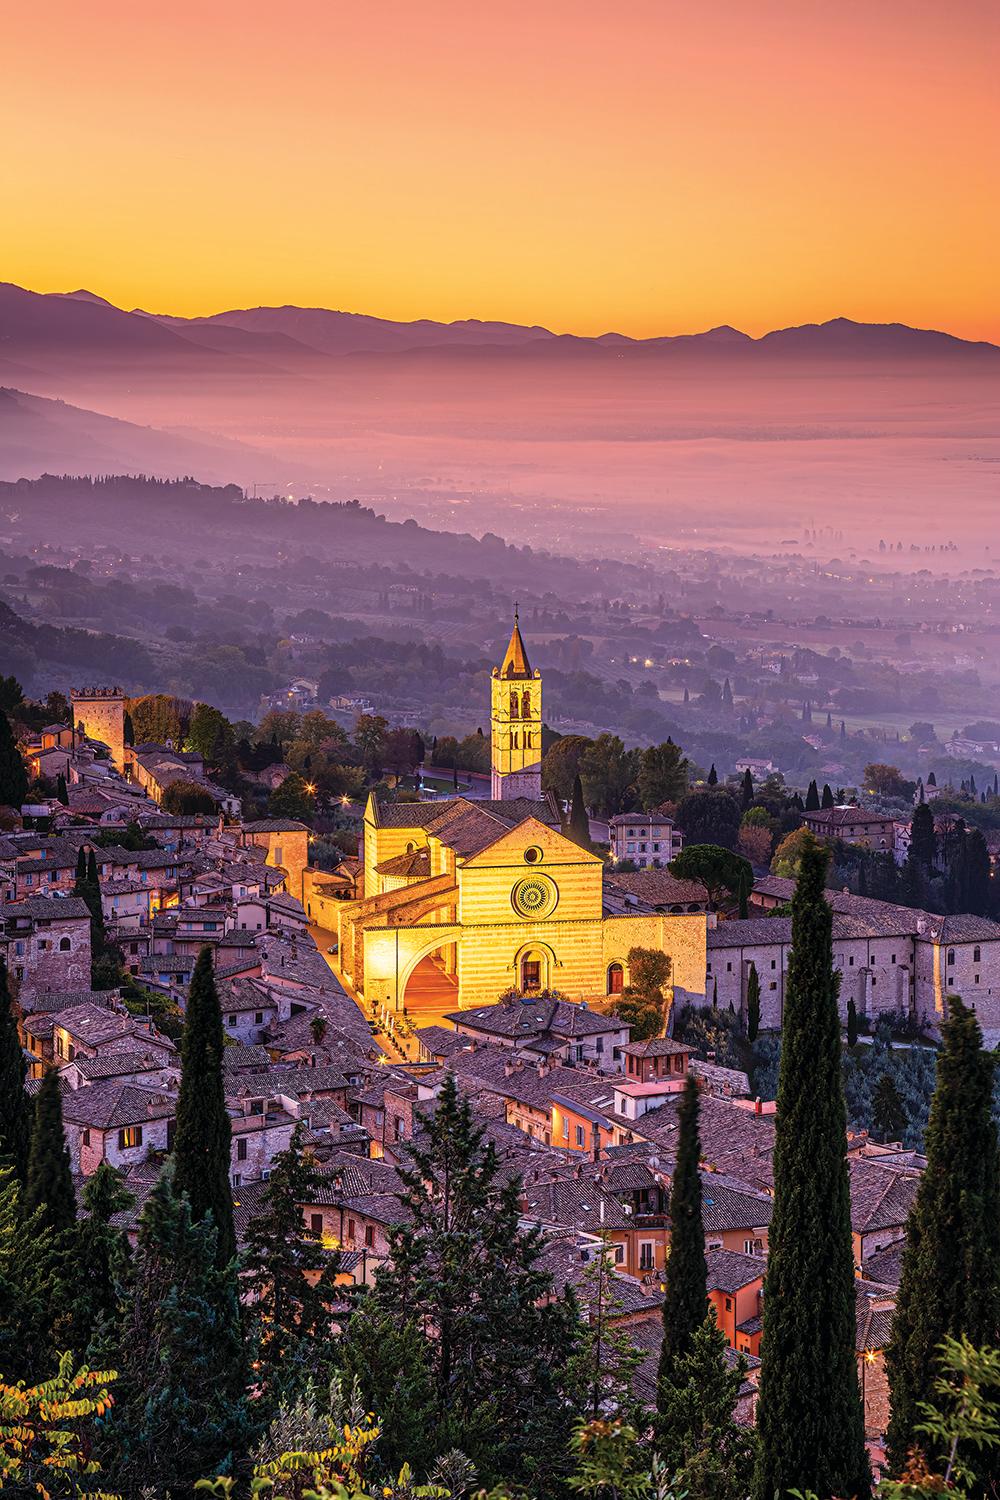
(650, 166)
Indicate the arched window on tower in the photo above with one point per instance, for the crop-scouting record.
(526, 704)
(513, 740)
(513, 704)
(527, 739)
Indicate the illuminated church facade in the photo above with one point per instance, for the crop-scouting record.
(461, 900)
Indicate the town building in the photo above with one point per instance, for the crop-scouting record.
(647, 838)
(853, 825)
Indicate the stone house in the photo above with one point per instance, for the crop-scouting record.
(45, 941)
(117, 1122)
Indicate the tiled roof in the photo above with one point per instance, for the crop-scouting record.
(526, 1018)
(886, 1266)
(881, 1197)
(729, 1271)
(411, 865)
(106, 1106)
(275, 825)
(657, 1046)
(658, 888)
(48, 908)
(575, 1204)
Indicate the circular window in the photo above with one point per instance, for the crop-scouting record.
(532, 856)
(534, 897)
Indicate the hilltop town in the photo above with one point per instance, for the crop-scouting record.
(570, 973)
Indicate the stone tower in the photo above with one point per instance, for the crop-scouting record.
(100, 713)
(516, 724)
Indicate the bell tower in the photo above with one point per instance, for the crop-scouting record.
(516, 724)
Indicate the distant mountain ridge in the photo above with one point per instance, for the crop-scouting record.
(79, 325)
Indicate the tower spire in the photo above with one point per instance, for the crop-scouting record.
(515, 662)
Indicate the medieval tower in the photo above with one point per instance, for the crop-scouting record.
(100, 713)
(516, 724)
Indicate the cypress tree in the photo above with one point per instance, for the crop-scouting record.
(388, 1356)
(852, 1023)
(25, 1265)
(950, 1281)
(753, 1003)
(862, 879)
(81, 871)
(13, 776)
(809, 1418)
(888, 1114)
(976, 874)
(685, 1276)
(578, 827)
(812, 798)
(15, 1106)
(923, 839)
(713, 775)
(49, 1187)
(747, 796)
(827, 799)
(203, 1136)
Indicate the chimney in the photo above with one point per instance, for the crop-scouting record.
(758, 1108)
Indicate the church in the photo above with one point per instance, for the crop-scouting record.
(461, 901)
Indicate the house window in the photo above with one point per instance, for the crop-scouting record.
(241, 1149)
(975, 955)
(619, 1254)
(951, 956)
(231, 1020)
(65, 946)
(729, 1304)
(774, 963)
(646, 1261)
(580, 1137)
(128, 1136)
(258, 1018)
(729, 968)
(236, 1179)
(85, 1138)
(316, 1223)
(851, 961)
(369, 1236)
(352, 1230)
(774, 984)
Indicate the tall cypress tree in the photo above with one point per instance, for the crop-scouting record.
(102, 1252)
(950, 1282)
(203, 1136)
(686, 1296)
(15, 1106)
(747, 791)
(923, 839)
(62, 793)
(812, 798)
(827, 799)
(578, 827)
(809, 1416)
(753, 1003)
(13, 776)
(50, 1181)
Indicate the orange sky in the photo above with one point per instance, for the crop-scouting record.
(648, 165)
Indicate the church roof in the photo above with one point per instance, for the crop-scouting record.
(515, 663)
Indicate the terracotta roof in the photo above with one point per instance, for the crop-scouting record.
(411, 865)
(658, 888)
(105, 1106)
(886, 1266)
(881, 1197)
(729, 1271)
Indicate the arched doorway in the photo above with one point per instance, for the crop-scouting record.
(432, 986)
(532, 971)
(616, 979)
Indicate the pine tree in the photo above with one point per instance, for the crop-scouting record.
(49, 1188)
(128, 729)
(462, 1266)
(753, 1003)
(747, 794)
(202, 1139)
(827, 798)
(288, 1275)
(180, 1411)
(25, 1266)
(13, 776)
(15, 1106)
(102, 1253)
(708, 1455)
(578, 827)
(809, 1418)
(685, 1276)
(812, 798)
(852, 1023)
(950, 1282)
(888, 1114)
(389, 1357)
